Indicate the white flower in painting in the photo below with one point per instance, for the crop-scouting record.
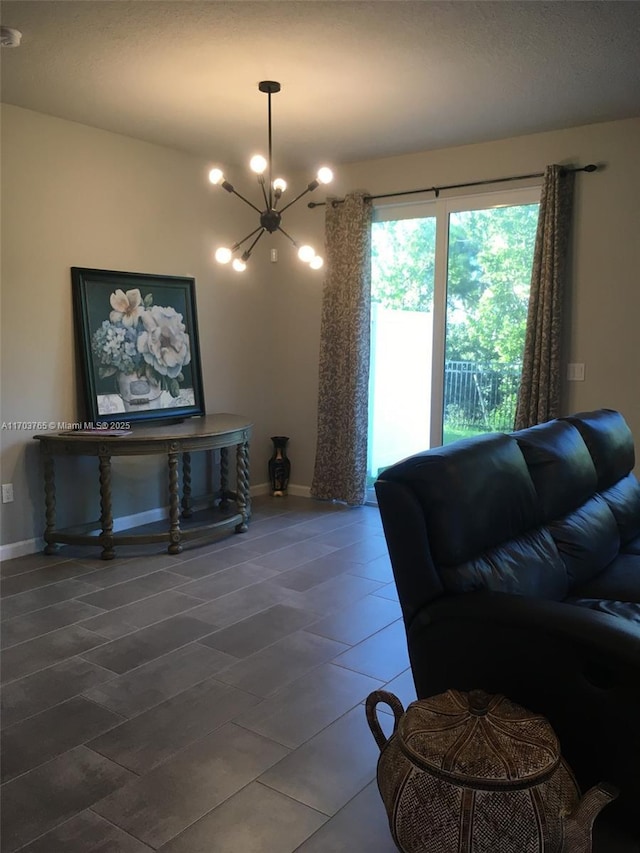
(127, 307)
(164, 344)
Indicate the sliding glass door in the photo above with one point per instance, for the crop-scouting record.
(450, 289)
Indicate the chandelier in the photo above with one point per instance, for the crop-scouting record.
(270, 216)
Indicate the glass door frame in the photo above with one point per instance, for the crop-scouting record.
(441, 209)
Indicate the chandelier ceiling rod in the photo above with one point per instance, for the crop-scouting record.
(270, 217)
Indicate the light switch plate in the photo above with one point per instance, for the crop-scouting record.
(575, 372)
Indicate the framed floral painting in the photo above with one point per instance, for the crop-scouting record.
(138, 345)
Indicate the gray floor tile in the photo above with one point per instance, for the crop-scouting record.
(358, 621)
(170, 798)
(403, 687)
(305, 707)
(144, 645)
(45, 797)
(388, 591)
(366, 550)
(314, 572)
(268, 670)
(31, 742)
(238, 605)
(29, 657)
(331, 768)
(334, 594)
(361, 826)
(383, 655)
(227, 580)
(255, 820)
(23, 628)
(57, 571)
(248, 636)
(27, 602)
(215, 561)
(153, 683)
(143, 613)
(87, 833)
(132, 590)
(293, 555)
(27, 563)
(46, 688)
(106, 574)
(156, 734)
(378, 569)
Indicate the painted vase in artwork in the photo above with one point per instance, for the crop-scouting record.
(139, 392)
(279, 466)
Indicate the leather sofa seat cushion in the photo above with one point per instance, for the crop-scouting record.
(625, 609)
(560, 466)
(527, 565)
(620, 580)
(623, 499)
(587, 539)
(475, 494)
(610, 443)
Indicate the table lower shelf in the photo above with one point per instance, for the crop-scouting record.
(204, 522)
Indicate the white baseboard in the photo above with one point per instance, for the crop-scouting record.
(32, 546)
(21, 549)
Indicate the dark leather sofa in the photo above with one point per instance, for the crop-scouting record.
(517, 562)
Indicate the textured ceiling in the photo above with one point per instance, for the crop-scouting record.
(359, 79)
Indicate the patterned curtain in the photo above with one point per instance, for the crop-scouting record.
(539, 397)
(341, 452)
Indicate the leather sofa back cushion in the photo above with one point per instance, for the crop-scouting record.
(560, 466)
(587, 539)
(527, 565)
(474, 494)
(623, 499)
(610, 443)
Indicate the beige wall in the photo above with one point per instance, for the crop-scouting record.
(603, 329)
(77, 196)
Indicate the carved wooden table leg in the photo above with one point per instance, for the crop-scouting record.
(175, 546)
(187, 511)
(106, 514)
(224, 478)
(49, 501)
(242, 488)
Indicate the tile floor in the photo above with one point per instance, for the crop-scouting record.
(210, 702)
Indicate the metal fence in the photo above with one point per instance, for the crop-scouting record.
(481, 396)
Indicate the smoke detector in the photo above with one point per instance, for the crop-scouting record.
(9, 37)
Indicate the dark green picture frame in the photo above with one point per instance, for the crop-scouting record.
(138, 346)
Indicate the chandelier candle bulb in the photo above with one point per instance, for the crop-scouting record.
(258, 164)
(306, 253)
(269, 218)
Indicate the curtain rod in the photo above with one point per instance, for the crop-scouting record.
(590, 168)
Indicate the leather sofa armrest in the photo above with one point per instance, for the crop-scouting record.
(601, 633)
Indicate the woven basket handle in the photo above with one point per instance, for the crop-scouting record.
(372, 718)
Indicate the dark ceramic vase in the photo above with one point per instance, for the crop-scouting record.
(279, 466)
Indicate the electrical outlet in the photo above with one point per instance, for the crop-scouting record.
(7, 493)
(274, 256)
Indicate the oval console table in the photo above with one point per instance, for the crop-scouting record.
(210, 432)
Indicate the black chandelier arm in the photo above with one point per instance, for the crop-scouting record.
(264, 192)
(289, 237)
(298, 197)
(269, 201)
(245, 255)
(237, 245)
(245, 200)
